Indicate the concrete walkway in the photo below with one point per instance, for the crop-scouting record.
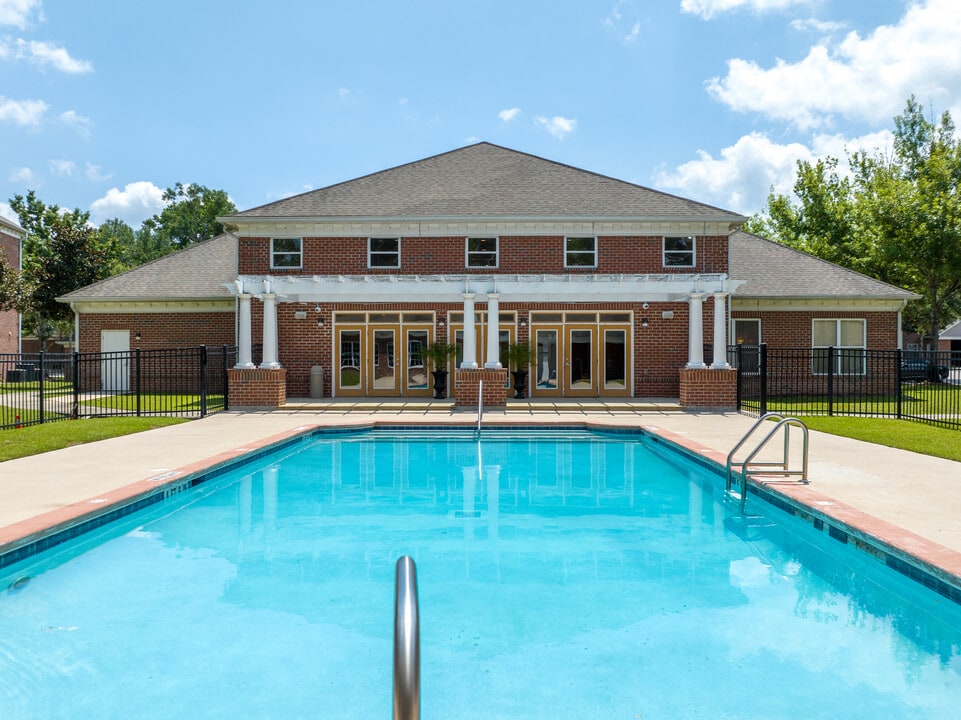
(910, 501)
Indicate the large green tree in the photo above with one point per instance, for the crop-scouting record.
(62, 252)
(896, 217)
(189, 217)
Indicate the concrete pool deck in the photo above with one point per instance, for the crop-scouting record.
(910, 502)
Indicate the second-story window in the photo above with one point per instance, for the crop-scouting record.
(580, 252)
(285, 253)
(481, 252)
(383, 253)
(679, 252)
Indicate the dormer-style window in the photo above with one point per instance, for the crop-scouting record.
(286, 253)
(383, 253)
(482, 252)
(580, 252)
(679, 251)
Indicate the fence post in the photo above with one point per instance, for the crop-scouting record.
(137, 376)
(224, 381)
(40, 388)
(831, 380)
(740, 369)
(899, 359)
(763, 374)
(203, 381)
(76, 385)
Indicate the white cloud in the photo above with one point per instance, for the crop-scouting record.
(859, 78)
(44, 53)
(615, 22)
(7, 212)
(17, 12)
(707, 9)
(21, 175)
(557, 126)
(93, 174)
(22, 112)
(818, 26)
(508, 115)
(80, 123)
(134, 204)
(741, 178)
(63, 168)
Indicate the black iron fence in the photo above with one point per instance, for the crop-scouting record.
(912, 385)
(43, 387)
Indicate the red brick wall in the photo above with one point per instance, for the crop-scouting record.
(467, 386)
(792, 329)
(257, 388)
(160, 330)
(9, 320)
(708, 388)
(517, 254)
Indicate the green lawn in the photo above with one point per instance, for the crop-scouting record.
(36, 439)
(154, 402)
(923, 399)
(903, 434)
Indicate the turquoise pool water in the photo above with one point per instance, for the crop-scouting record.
(561, 576)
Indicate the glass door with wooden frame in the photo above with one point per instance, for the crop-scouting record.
(349, 374)
(548, 359)
(383, 370)
(417, 378)
(615, 361)
(580, 361)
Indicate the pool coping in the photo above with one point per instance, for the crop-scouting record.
(924, 561)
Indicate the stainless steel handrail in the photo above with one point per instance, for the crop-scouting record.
(480, 403)
(406, 642)
(756, 467)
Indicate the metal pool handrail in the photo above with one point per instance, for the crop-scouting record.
(480, 403)
(406, 642)
(782, 467)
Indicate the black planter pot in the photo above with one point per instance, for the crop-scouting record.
(520, 383)
(440, 384)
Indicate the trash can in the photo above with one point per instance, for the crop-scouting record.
(316, 382)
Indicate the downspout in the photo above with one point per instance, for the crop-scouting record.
(900, 327)
(76, 328)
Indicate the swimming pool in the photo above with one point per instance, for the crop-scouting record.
(561, 574)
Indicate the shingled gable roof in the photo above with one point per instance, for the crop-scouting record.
(486, 181)
(198, 272)
(772, 270)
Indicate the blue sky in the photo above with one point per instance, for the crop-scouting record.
(104, 104)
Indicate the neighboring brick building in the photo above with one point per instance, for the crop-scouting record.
(618, 287)
(11, 240)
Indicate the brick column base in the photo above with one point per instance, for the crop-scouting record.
(256, 387)
(466, 384)
(708, 388)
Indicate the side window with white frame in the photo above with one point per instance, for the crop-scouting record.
(580, 252)
(847, 337)
(679, 251)
(383, 253)
(482, 252)
(747, 333)
(286, 253)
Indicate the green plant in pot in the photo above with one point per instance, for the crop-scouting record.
(519, 356)
(437, 355)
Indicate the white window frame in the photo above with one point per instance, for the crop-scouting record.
(665, 252)
(485, 253)
(371, 253)
(568, 251)
(274, 253)
(839, 359)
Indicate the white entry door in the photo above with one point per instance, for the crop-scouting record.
(114, 369)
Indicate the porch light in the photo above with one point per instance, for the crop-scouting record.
(137, 335)
(523, 322)
(644, 322)
(440, 322)
(320, 322)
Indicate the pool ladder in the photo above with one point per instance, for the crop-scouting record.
(782, 469)
(406, 641)
(480, 404)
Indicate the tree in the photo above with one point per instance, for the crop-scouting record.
(897, 217)
(62, 252)
(190, 217)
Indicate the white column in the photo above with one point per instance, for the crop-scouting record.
(270, 361)
(243, 332)
(493, 332)
(695, 330)
(720, 332)
(470, 339)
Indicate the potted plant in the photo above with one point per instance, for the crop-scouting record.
(519, 356)
(437, 355)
